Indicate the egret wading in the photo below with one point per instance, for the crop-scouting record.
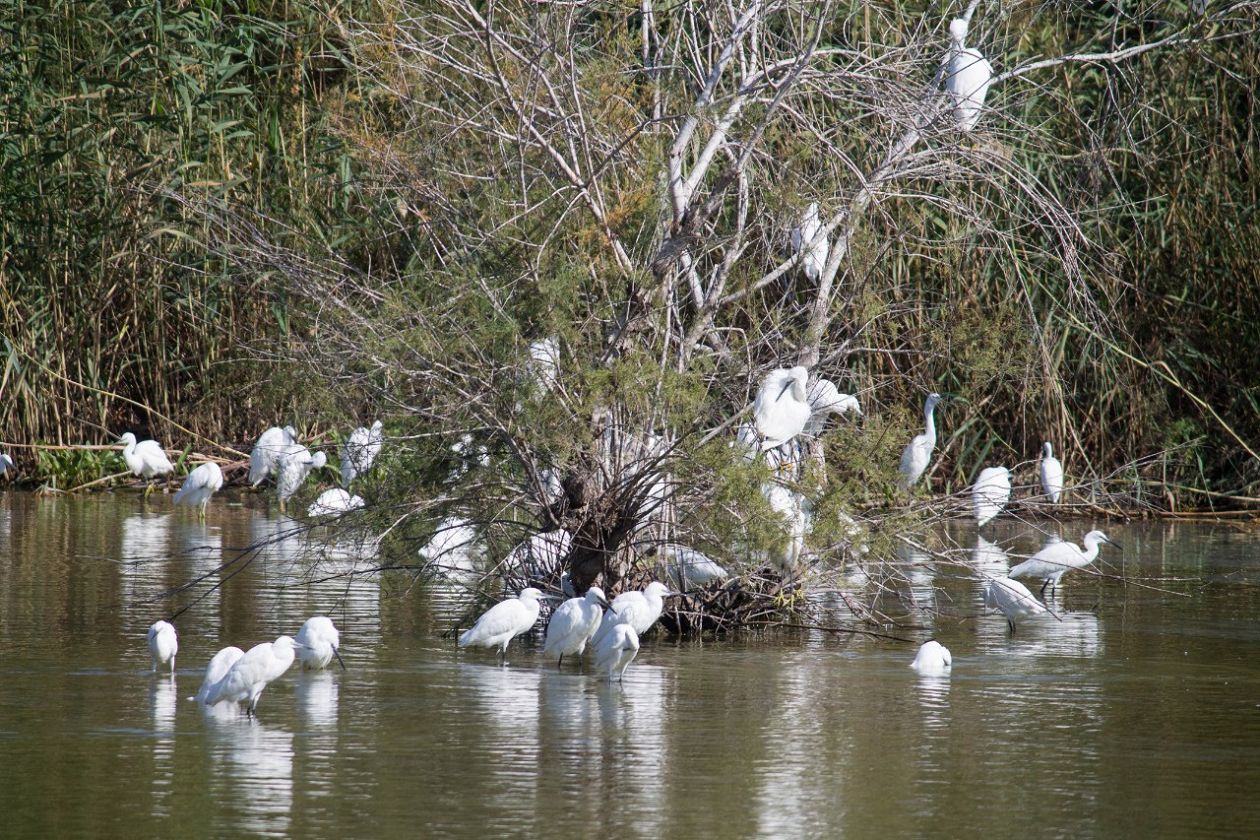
(1055, 559)
(618, 647)
(1051, 473)
(642, 609)
(781, 408)
(245, 680)
(199, 486)
(317, 643)
(293, 464)
(918, 452)
(163, 644)
(6, 463)
(933, 659)
(968, 76)
(503, 622)
(990, 494)
(262, 459)
(218, 668)
(1012, 599)
(145, 459)
(573, 624)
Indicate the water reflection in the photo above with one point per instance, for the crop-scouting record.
(252, 774)
(144, 550)
(162, 702)
(933, 693)
(988, 559)
(317, 698)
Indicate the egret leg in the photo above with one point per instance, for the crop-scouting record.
(560, 663)
(1010, 624)
(282, 505)
(147, 490)
(1044, 584)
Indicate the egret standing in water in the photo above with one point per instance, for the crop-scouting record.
(199, 486)
(969, 75)
(216, 671)
(146, 459)
(1051, 473)
(6, 463)
(1013, 599)
(809, 241)
(293, 464)
(619, 646)
(1055, 559)
(918, 452)
(262, 459)
(249, 675)
(991, 493)
(163, 644)
(933, 659)
(359, 451)
(781, 408)
(642, 609)
(503, 622)
(317, 643)
(573, 624)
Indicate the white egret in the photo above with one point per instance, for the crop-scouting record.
(333, 502)
(617, 648)
(1051, 473)
(1013, 599)
(544, 356)
(249, 675)
(6, 463)
(503, 622)
(218, 668)
(294, 463)
(574, 623)
(318, 642)
(824, 399)
(781, 408)
(641, 608)
(918, 452)
(359, 451)
(146, 459)
(540, 556)
(991, 493)
(809, 241)
(689, 568)
(262, 459)
(968, 76)
(199, 486)
(1055, 559)
(453, 548)
(792, 507)
(163, 644)
(933, 659)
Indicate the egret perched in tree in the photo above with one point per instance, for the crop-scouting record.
(6, 463)
(1013, 599)
(968, 76)
(293, 464)
(689, 568)
(792, 507)
(249, 675)
(1051, 473)
(918, 452)
(262, 459)
(781, 408)
(544, 359)
(503, 622)
(824, 399)
(359, 451)
(217, 670)
(317, 643)
(574, 623)
(641, 608)
(933, 659)
(163, 644)
(1053, 560)
(333, 502)
(453, 548)
(146, 458)
(618, 647)
(991, 493)
(199, 486)
(809, 241)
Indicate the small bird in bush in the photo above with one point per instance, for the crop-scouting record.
(968, 76)
(199, 486)
(1051, 473)
(145, 459)
(918, 452)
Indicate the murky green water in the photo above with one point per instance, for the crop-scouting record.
(1137, 715)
